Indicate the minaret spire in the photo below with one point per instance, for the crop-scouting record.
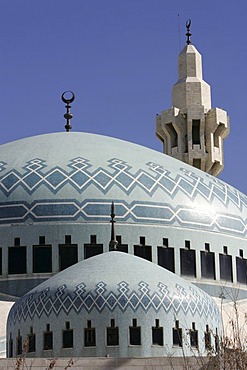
(192, 130)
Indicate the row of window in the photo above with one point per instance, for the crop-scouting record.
(68, 255)
(207, 259)
(112, 337)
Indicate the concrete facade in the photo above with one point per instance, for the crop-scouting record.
(154, 363)
(191, 130)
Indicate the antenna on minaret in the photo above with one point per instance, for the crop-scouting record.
(113, 242)
(188, 34)
(179, 35)
(68, 116)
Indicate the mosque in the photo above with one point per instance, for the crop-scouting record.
(112, 250)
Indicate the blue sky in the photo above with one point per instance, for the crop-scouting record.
(120, 59)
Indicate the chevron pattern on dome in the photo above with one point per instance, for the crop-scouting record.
(119, 174)
(185, 300)
(140, 212)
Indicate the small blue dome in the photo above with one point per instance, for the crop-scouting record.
(110, 281)
(113, 285)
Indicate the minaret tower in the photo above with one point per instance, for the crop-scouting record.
(191, 130)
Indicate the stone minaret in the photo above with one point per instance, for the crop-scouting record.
(191, 130)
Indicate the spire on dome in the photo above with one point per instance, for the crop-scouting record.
(68, 116)
(192, 130)
(113, 242)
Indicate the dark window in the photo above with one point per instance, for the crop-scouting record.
(135, 333)
(67, 239)
(207, 338)
(48, 340)
(91, 250)
(177, 335)
(10, 346)
(41, 240)
(188, 262)
(89, 335)
(143, 251)
(241, 253)
(1, 262)
(166, 258)
(225, 251)
(193, 336)
(93, 239)
(112, 335)
(165, 242)
(208, 265)
(119, 239)
(17, 242)
(142, 240)
(67, 336)
(241, 265)
(17, 263)
(207, 247)
(187, 244)
(42, 258)
(19, 345)
(31, 343)
(157, 334)
(196, 131)
(122, 248)
(226, 267)
(68, 255)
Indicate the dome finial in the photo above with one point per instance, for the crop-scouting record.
(113, 242)
(188, 34)
(68, 116)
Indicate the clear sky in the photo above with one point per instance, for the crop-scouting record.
(120, 59)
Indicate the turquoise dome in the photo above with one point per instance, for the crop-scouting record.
(113, 285)
(75, 176)
(114, 281)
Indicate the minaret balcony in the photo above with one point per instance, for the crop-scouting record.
(196, 147)
(174, 150)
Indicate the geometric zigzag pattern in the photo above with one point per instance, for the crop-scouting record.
(117, 173)
(182, 300)
(140, 212)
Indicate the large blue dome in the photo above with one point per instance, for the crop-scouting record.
(75, 176)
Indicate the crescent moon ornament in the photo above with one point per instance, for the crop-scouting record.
(68, 101)
(188, 23)
(188, 33)
(68, 116)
